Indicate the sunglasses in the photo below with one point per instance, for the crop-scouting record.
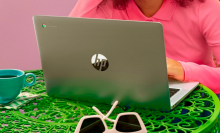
(125, 122)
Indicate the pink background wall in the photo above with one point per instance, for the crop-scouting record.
(18, 46)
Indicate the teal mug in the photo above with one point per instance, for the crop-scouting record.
(12, 81)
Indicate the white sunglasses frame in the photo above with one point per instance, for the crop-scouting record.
(113, 130)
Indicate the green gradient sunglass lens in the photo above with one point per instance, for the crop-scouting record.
(128, 123)
(92, 125)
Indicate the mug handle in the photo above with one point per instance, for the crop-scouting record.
(31, 75)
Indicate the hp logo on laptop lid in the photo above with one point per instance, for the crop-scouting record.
(100, 62)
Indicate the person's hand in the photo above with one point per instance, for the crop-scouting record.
(175, 69)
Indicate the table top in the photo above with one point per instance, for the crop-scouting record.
(196, 113)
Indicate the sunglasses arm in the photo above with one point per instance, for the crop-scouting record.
(106, 117)
(112, 108)
(97, 110)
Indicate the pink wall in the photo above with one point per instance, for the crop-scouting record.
(18, 46)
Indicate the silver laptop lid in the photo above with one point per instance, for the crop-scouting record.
(135, 73)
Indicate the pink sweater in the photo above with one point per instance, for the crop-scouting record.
(192, 34)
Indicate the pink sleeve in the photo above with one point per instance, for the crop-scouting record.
(209, 19)
(88, 9)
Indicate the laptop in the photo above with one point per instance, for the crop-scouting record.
(100, 60)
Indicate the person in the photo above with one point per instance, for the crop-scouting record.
(191, 32)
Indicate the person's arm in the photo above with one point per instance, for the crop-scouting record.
(209, 19)
(89, 9)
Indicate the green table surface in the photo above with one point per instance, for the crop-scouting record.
(196, 113)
